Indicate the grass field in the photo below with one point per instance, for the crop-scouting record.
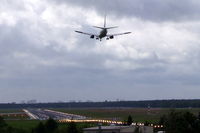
(23, 124)
(139, 114)
(11, 110)
(28, 125)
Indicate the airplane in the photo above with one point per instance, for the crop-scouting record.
(103, 32)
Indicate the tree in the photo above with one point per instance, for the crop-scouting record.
(162, 120)
(130, 120)
(51, 125)
(2, 125)
(2, 122)
(180, 122)
(40, 128)
(146, 123)
(72, 128)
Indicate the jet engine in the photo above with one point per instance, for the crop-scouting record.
(92, 36)
(111, 37)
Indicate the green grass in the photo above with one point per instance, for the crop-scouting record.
(10, 110)
(23, 124)
(138, 114)
(195, 111)
(28, 125)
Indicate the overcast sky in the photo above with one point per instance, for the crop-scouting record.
(42, 58)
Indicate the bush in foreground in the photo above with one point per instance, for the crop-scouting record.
(180, 122)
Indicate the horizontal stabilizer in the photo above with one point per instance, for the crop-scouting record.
(111, 27)
(105, 27)
(98, 27)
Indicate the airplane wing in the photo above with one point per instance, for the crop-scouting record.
(118, 34)
(89, 34)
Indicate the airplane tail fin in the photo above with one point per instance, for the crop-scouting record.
(105, 21)
(105, 25)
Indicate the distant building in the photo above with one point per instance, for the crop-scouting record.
(118, 129)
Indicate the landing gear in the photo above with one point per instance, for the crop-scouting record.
(100, 39)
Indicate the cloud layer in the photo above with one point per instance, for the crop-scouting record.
(153, 10)
(41, 57)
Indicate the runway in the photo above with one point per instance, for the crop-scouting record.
(44, 114)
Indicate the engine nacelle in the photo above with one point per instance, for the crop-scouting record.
(111, 37)
(92, 36)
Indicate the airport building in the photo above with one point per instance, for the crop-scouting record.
(119, 129)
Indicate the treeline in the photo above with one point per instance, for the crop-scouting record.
(111, 104)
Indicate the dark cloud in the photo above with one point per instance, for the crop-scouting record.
(152, 10)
